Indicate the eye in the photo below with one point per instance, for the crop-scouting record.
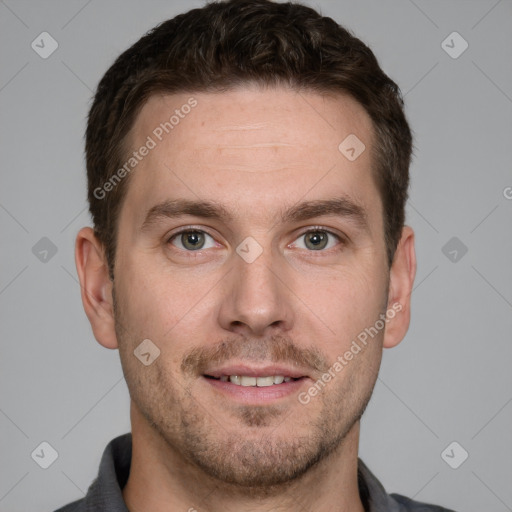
(192, 240)
(317, 240)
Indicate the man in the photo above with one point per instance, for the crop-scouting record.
(248, 171)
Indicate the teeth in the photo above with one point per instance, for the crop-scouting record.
(246, 381)
(262, 382)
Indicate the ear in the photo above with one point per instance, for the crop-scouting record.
(401, 280)
(96, 287)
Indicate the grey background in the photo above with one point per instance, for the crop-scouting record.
(449, 380)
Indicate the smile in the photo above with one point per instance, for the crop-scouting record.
(252, 381)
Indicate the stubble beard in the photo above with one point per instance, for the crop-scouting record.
(255, 464)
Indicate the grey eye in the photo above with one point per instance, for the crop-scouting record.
(192, 240)
(316, 240)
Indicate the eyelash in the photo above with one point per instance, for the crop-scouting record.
(192, 229)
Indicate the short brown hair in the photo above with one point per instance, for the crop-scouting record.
(227, 44)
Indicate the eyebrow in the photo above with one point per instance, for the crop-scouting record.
(339, 206)
(181, 207)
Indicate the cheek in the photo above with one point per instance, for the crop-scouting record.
(167, 308)
(346, 301)
(150, 297)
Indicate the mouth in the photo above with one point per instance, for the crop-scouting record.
(251, 381)
(251, 385)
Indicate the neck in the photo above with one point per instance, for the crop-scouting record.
(161, 479)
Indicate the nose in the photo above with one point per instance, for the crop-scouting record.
(256, 297)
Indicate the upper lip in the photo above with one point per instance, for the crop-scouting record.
(253, 371)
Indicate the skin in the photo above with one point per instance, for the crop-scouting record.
(258, 153)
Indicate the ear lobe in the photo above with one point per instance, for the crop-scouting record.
(403, 271)
(96, 287)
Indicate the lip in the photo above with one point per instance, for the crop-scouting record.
(252, 371)
(254, 395)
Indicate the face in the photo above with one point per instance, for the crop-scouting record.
(251, 253)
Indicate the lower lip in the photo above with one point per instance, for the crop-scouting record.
(255, 394)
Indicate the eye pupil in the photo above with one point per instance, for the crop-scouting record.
(316, 240)
(193, 240)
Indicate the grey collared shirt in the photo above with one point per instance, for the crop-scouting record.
(105, 493)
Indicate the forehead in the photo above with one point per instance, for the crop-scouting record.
(251, 147)
(252, 115)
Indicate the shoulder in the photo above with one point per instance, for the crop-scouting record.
(376, 499)
(409, 505)
(76, 506)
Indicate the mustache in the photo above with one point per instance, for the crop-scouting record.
(273, 349)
